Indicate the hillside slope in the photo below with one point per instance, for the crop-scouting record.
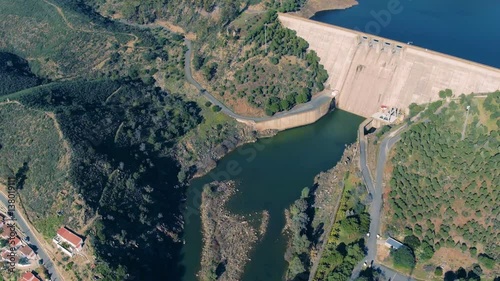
(63, 40)
(115, 179)
(444, 185)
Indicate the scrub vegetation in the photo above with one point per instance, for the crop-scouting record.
(444, 186)
(346, 242)
(244, 56)
(118, 165)
(99, 134)
(16, 74)
(84, 44)
(311, 226)
(252, 64)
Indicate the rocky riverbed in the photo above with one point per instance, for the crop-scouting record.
(227, 238)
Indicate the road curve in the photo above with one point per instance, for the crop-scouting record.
(316, 101)
(24, 226)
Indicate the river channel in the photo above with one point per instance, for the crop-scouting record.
(271, 173)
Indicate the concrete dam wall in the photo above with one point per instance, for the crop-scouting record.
(294, 120)
(370, 71)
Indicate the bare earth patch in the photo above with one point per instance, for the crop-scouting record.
(175, 28)
(314, 6)
(65, 160)
(383, 252)
(241, 106)
(451, 259)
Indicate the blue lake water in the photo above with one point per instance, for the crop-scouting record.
(461, 28)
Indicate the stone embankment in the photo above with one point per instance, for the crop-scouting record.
(227, 238)
(299, 118)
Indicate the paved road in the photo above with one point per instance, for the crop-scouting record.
(24, 226)
(318, 100)
(362, 155)
(376, 205)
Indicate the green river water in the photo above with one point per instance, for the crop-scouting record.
(270, 175)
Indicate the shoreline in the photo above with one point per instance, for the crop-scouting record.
(312, 7)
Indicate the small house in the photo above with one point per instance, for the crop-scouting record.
(68, 241)
(393, 243)
(27, 252)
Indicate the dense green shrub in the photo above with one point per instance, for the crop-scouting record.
(434, 168)
(122, 164)
(403, 257)
(15, 74)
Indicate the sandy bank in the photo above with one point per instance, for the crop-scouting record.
(227, 238)
(314, 6)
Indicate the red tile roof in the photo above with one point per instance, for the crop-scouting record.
(70, 236)
(17, 241)
(28, 276)
(5, 256)
(26, 250)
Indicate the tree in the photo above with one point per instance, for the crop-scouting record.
(486, 260)
(284, 105)
(364, 222)
(198, 61)
(403, 257)
(427, 251)
(301, 98)
(442, 94)
(448, 92)
(210, 70)
(473, 251)
(412, 241)
(438, 271)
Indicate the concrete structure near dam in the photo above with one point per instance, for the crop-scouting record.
(370, 71)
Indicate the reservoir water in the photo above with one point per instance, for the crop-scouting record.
(270, 175)
(461, 28)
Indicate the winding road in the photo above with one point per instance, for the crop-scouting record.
(316, 101)
(26, 230)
